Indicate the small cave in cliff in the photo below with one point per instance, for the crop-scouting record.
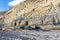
(33, 9)
(26, 23)
(15, 24)
(25, 6)
(59, 5)
(19, 22)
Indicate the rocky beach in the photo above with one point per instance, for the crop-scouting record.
(29, 35)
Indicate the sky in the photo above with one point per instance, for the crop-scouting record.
(7, 4)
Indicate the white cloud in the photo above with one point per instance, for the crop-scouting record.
(15, 2)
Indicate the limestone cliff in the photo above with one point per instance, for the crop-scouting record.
(35, 12)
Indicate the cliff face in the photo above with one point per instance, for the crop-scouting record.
(35, 12)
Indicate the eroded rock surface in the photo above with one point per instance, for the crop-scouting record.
(35, 12)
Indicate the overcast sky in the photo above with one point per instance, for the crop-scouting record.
(7, 4)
